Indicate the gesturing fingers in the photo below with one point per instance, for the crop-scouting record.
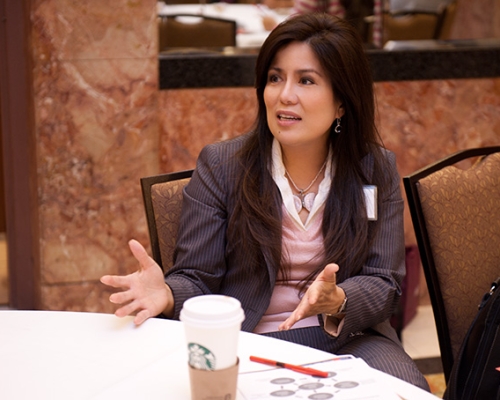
(142, 316)
(144, 292)
(116, 281)
(121, 297)
(301, 312)
(141, 254)
(128, 309)
(329, 273)
(323, 285)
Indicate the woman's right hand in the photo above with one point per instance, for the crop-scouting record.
(145, 293)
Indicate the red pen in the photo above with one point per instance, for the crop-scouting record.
(296, 368)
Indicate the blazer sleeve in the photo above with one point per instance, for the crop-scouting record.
(374, 293)
(199, 260)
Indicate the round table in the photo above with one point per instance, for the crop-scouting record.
(74, 355)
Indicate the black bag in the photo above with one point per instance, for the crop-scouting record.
(474, 375)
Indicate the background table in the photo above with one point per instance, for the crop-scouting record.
(67, 355)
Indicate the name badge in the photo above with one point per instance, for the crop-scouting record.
(370, 192)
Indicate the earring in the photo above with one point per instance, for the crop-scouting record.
(338, 128)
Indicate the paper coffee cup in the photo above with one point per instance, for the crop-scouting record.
(212, 324)
(214, 385)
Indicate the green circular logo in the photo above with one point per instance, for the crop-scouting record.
(200, 357)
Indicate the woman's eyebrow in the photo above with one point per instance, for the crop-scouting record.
(309, 70)
(300, 71)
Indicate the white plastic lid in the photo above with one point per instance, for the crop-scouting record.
(212, 311)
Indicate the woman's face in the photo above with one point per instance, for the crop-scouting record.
(299, 98)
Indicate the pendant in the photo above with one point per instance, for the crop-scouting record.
(304, 201)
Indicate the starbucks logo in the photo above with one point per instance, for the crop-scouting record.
(200, 357)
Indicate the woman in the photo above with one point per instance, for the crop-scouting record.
(279, 218)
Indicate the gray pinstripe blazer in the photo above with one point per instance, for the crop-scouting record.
(207, 263)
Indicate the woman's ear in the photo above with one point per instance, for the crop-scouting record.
(341, 111)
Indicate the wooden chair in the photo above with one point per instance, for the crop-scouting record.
(446, 20)
(456, 218)
(184, 30)
(181, 2)
(162, 195)
(409, 26)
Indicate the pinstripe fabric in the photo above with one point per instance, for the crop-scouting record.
(207, 263)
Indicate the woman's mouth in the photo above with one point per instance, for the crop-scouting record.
(284, 117)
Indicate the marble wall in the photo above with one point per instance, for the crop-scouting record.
(192, 118)
(96, 112)
(102, 123)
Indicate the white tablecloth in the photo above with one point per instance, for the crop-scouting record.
(68, 355)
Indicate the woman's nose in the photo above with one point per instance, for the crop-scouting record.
(288, 94)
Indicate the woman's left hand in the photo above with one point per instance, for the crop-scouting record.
(323, 296)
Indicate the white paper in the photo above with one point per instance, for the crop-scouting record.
(349, 378)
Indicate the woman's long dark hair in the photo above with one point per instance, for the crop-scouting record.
(257, 222)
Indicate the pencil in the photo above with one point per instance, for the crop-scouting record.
(296, 368)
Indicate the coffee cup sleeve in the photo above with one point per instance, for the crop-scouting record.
(217, 384)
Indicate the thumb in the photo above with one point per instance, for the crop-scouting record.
(329, 273)
(140, 254)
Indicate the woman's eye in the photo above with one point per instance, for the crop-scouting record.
(273, 78)
(306, 81)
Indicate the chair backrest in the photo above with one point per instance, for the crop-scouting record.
(175, 2)
(446, 20)
(184, 30)
(456, 218)
(409, 26)
(162, 195)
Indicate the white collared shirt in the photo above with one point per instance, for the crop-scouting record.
(279, 175)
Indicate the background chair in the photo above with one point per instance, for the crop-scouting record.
(409, 26)
(456, 218)
(162, 195)
(446, 20)
(183, 30)
(182, 2)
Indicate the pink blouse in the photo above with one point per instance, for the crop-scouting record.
(302, 250)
